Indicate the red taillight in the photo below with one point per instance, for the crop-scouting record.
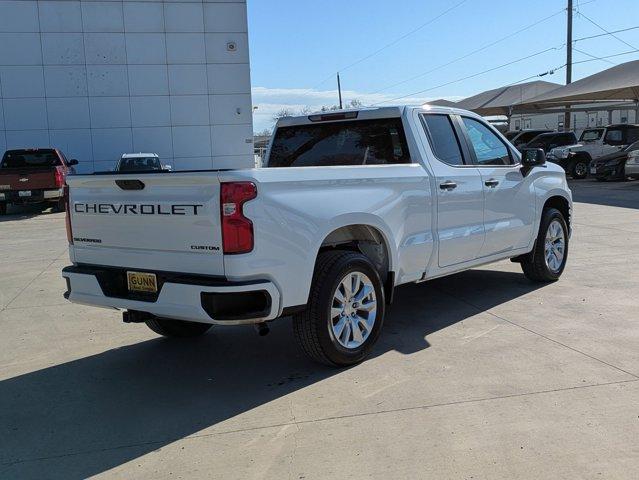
(68, 214)
(59, 178)
(237, 230)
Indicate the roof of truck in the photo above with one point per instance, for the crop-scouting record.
(365, 113)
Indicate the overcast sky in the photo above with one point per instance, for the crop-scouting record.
(298, 45)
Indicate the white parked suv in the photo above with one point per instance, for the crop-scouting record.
(140, 162)
(593, 143)
(350, 205)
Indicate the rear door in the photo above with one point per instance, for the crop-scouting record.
(509, 199)
(459, 189)
(160, 222)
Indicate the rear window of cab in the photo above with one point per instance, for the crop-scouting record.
(359, 142)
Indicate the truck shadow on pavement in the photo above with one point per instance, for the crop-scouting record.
(90, 415)
(24, 212)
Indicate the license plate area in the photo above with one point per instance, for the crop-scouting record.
(142, 282)
(24, 193)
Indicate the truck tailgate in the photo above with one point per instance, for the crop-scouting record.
(159, 222)
(27, 178)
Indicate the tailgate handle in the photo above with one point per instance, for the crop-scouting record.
(130, 184)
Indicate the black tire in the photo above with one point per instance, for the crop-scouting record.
(313, 327)
(177, 328)
(59, 206)
(579, 168)
(3, 208)
(534, 264)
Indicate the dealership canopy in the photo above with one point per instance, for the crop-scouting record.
(500, 100)
(620, 82)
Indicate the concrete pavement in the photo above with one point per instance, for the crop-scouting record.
(479, 375)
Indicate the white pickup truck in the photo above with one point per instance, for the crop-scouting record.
(349, 206)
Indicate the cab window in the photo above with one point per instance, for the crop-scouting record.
(614, 137)
(488, 147)
(443, 139)
(360, 142)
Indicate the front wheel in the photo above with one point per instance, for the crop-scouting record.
(547, 261)
(177, 328)
(579, 169)
(345, 312)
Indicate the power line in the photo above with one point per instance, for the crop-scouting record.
(609, 33)
(593, 56)
(390, 44)
(606, 34)
(471, 53)
(472, 76)
(505, 65)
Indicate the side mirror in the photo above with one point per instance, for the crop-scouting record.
(533, 157)
(73, 162)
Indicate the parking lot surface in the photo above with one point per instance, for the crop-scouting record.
(478, 375)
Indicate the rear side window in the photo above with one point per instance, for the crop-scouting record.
(30, 159)
(361, 142)
(614, 137)
(443, 139)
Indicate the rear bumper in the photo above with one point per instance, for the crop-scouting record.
(632, 169)
(36, 196)
(182, 297)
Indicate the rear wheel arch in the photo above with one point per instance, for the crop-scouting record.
(367, 240)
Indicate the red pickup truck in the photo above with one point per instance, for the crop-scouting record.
(35, 175)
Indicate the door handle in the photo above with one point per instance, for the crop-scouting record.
(492, 183)
(448, 185)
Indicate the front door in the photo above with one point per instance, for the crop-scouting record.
(509, 198)
(459, 189)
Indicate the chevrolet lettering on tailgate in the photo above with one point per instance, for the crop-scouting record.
(135, 209)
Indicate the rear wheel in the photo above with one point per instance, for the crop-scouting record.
(547, 261)
(345, 311)
(59, 206)
(177, 328)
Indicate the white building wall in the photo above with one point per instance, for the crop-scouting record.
(101, 78)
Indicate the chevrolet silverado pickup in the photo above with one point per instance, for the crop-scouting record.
(349, 205)
(34, 175)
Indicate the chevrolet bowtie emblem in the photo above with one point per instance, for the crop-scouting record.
(24, 179)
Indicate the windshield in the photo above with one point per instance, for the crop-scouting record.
(139, 164)
(30, 159)
(632, 147)
(591, 135)
(539, 141)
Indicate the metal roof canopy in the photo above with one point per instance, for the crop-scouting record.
(499, 101)
(620, 82)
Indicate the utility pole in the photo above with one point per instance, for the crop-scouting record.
(568, 62)
(339, 90)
